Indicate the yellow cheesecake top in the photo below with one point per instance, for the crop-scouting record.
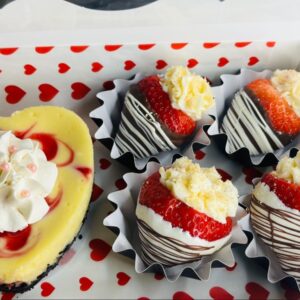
(66, 141)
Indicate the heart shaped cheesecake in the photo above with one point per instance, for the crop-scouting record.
(161, 112)
(184, 213)
(275, 213)
(46, 176)
(265, 115)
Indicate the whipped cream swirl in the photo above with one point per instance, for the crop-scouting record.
(26, 178)
(287, 83)
(188, 92)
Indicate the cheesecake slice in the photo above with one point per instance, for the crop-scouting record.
(29, 252)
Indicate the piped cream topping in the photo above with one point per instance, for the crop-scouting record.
(26, 178)
(201, 189)
(287, 82)
(188, 92)
(289, 169)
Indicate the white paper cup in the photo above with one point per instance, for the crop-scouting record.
(258, 250)
(128, 242)
(224, 94)
(108, 117)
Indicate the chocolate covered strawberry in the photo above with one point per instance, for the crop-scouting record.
(275, 213)
(265, 115)
(184, 212)
(160, 113)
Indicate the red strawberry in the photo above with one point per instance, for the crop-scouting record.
(282, 116)
(159, 198)
(176, 120)
(287, 192)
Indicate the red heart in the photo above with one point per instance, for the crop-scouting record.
(210, 45)
(159, 276)
(80, 90)
(8, 51)
(120, 184)
(48, 92)
(143, 298)
(123, 278)
(29, 69)
(251, 173)
(242, 44)
(7, 296)
(47, 289)
(96, 67)
(230, 269)
(111, 48)
(224, 175)
(253, 60)
(199, 154)
(96, 193)
(223, 61)
(14, 94)
(43, 49)
(291, 294)
(104, 163)
(100, 249)
(108, 85)
(145, 46)
(218, 293)
(180, 295)
(178, 46)
(270, 44)
(67, 257)
(85, 283)
(78, 49)
(256, 291)
(63, 68)
(192, 62)
(160, 64)
(128, 65)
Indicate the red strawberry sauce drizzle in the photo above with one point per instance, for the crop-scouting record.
(53, 202)
(282, 116)
(156, 196)
(174, 119)
(48, 143)
(287, 192)
(85, 171)
(14, 241)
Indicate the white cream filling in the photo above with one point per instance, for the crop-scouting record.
(263, 194)
(159, 225)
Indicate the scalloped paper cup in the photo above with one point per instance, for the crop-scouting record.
(108, 116)
(258, 249)
(224, 95)
(127, 241)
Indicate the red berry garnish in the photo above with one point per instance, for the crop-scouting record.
(174, 119)
(281, 115)
(287, 192)
(156, 196)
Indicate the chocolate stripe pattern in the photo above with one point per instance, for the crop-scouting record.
(165, 250)
(245, 126)
(279, 229)
(139, 132)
